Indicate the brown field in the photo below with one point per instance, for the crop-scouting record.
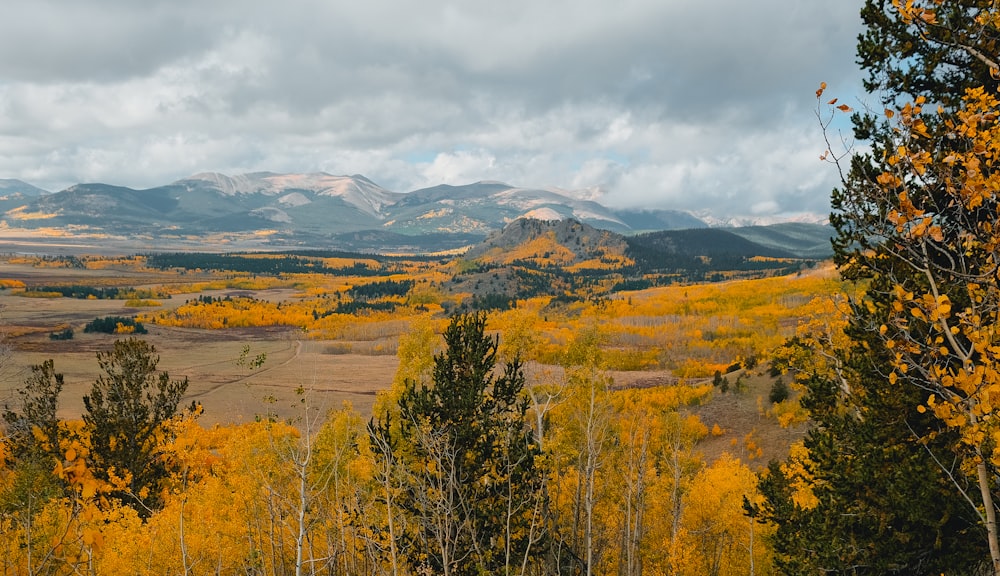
(332, 371)
(228, 392)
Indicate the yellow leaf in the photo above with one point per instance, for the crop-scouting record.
(832, 102)
(822, 87)
(844, 108)
(944, 306)
(71, 454)
(89, 488)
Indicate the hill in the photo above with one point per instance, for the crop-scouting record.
(551, 242)
(573, 260)
(802, 240)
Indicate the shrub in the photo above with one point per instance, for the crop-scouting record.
(66, 334)
(779, 391)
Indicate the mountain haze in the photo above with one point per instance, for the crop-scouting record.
(268, 210)
(10, 186)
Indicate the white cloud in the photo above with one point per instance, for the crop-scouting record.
(668, 103)
(459, 167)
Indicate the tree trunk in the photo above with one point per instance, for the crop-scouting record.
(991, 515)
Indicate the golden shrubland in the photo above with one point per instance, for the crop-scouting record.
(241, 496)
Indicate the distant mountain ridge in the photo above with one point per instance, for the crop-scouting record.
(321, 210)
(10, 186)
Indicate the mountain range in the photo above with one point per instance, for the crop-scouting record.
(319, 210)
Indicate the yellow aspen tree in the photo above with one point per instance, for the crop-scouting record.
(717, 534)
(943, 328)
(344, 466)
(921, 223)
(583, 442)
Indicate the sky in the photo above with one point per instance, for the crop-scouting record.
(678, 104)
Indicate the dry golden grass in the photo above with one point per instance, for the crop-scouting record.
(208, 359)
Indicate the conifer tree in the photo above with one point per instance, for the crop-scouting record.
(888, 479)
(880, 503)
(125, 416)
(32, 440)
(473, 484)
(34, 428)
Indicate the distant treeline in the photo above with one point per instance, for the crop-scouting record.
(380, 289)
(702, 255)
(91, 292)
(370, 298)
(381, 258)
(271, 264)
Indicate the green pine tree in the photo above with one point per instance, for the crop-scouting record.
(34, 428)
(473, 487)
(888, 479)
(884, 505)
(125, 415)
(33, 433)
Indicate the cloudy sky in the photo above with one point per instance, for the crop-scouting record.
(683, 104)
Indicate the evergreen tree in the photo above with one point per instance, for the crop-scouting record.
(34, 429)
(888, 480)
(32, 436)
(779, 391)
(883, 504)
(905, 58)
(125, 416)
(473, 489)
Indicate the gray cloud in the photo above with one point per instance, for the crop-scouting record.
(667, 103)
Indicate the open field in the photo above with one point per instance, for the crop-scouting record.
(696, 330)
(208, 358)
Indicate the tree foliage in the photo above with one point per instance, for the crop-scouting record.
(473, 481)
(125, 417)
(115, 325)
(863, 496)
(916, 231)
(33, 427)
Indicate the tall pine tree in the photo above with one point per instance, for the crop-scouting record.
(473, 481)
(125, 415)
